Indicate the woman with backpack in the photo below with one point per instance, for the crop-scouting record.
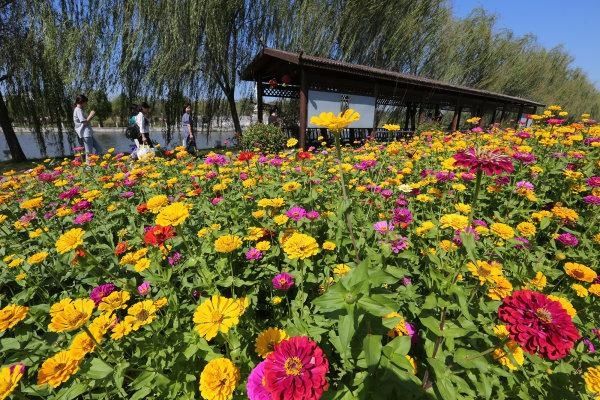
(187, 128)
(143, 124)
(83, 127)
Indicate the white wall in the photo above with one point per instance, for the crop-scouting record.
(319, 102)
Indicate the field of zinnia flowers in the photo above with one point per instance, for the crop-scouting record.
(451, 266)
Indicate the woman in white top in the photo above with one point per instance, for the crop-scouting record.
(83, 127)
(144, 124)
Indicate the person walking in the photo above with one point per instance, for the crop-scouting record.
(143, 124)
(83, 127)
(187, 128)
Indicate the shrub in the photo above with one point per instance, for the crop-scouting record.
(268, 138)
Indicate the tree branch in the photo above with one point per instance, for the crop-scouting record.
(3, 77)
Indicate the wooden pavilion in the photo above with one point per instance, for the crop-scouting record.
(284, 74)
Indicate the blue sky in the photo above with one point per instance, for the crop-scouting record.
(574, 24)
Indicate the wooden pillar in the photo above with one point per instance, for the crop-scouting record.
(413, 115)
(519, 115)
(503, 114)
(493, 120)
(406, 120)
(259, 99)
(303, 108)
(375, 93)
(456, 118)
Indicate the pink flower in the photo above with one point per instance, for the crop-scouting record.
(84, 218)
(144, 288)
(568, 239)
(253, 254)
(101, 291)
(216, 201)
(312, 215)
(215, 159)
(255, 387)
(283, 281)
(296, 370)
(383, 227)
(491, 162)
(296, 213)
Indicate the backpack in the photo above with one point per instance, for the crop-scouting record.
(132, 132)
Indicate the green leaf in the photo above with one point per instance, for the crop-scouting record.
(470, 359)
(332, 300)
(10, 344)
(99, 369)
(432, 324)
(372, 347)
(71, 392)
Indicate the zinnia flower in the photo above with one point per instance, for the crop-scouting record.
(70, 240)
(491, 162)
(567, 239)
(300, 246)
(580, 272)
(219, 379)
(158, 235)
(267, 340)
(538, 324)
(227, 243)
(69, 314)
(297, 369)
(592, 380)
(256, 383)
(58, 369)
(218, 314)
(335, 123)
(172, 215)
(144, 288)
(9, 379)
(11, 315)
(101, 291)
(382, 227)
(283, 281)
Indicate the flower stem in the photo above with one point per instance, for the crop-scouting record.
(475, 194)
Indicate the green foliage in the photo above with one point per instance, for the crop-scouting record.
(268, 138)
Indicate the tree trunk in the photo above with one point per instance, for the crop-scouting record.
(16, 152)
(234, 113)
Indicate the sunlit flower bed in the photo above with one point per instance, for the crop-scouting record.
(457, 265)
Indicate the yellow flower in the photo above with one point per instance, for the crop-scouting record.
(580, 290)
(291, 186)
(541, 215)
(172, 215)
(341, 269)
(594, 289)
(228, 243)
(70, 240)
(485, 271)
(155, 203)
(502, 230)
(566, 304)
(447, 246)
(391, 127)
(424, 228)
(219, 379)
(9, 379)
(539, 281)
(580, 272)
(255, 233)
(258, 213)
(114, 301)
(501, 331)
(217, 314)
(400, 327)
(37, 257)
(327, 245)
(34, 234)
(281, 219)
(291, 142)
(121, 329)
(473, 120)
(142, 264)
(140, 314)
(263, 245)
(565, 213)
(16, 262)
(591, 378)
(58, 369)
(516, 351)
(20, 276)
(11, 315)
(454, 221)
(335, 123)
(267, 340)
(499, 288)
(69, 314)
(462, 208)
(276, 300)
(31, 203)
(526, 229)
(300, 246)
(83, 344)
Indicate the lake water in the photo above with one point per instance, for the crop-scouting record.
(107, 137)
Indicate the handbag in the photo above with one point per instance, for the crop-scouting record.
(145, 152)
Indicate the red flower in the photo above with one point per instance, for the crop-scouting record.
(296, 370)
(491, 162)
(245, 156)
(142, 208)
(304, 155)
(273, 83)
(158, 235)
(121, 248)
(538, 324)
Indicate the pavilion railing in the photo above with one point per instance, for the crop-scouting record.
(350, 136)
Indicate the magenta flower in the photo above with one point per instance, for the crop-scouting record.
(567, 239)
(297, 369)
(399, 244)
(525, 185)
(592, 200)
(127, 195)
(84, 218)
(383, 227)
(216, 201)
(253, 254)
(593, 181)
(101, 291)
(296, 213)
(81, 206)
(490, 162)
(312, 215)
(144, 288)
(283, 281)
(402, 217)
(215, 159)
(525, 158)
(255, 387)
(174, 259)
